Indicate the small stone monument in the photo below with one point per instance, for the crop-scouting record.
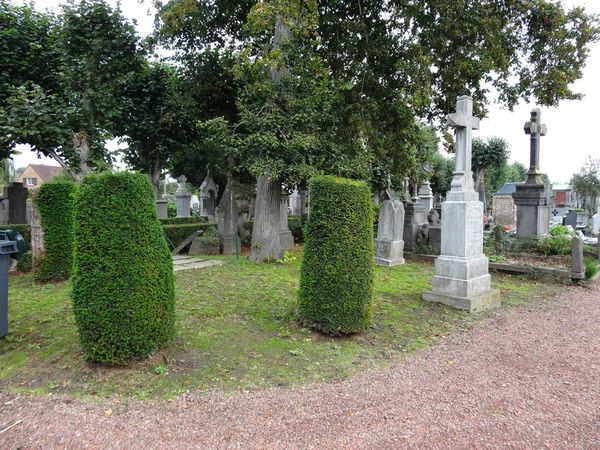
(286, 239)
(461, 271)
(13, 204)
(577, 264)
(426, 196)
(182, 198)
(596, 222)
(208, 196)
(389, 246)
(415, 216)
(531, 197)
(162, 203)
(227, 214)
(435, 231)
(570, 219)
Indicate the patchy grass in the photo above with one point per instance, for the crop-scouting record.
(237, 329)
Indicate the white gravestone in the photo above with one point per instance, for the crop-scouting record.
(389, 246)
(461, 271)
(182, 198)
(426, 196)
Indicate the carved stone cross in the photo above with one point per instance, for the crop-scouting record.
(181, 180)
(535, 129)
(464, 121)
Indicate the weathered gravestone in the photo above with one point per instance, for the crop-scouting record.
(415, 216)
(577, 263)
(162, 203)
(461, 271)
(13, 204)
(286, 239)
(208, 196)
(435, 231)
(426, 196)
(596, 222)
(182, 198)
(389, 246)
(571, 219)
(531, 197)
(227, 214)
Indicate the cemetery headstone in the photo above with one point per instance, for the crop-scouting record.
(286, 238)
(182, 198)
(435, 232)
(461, 271)
(228, 219)
(415, 216)
(14, 204)
(296, 203)
(389, 246)
(208, 196)
(531, 198)
(571, 219)
(577, 264)
(426, 196)
(596, 222)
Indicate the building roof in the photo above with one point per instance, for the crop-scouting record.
(45, 172)
(561, 187)
(507, 189)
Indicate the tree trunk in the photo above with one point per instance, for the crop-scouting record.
(64, 165)
(81, 146)
(155, 178)
(265, 232)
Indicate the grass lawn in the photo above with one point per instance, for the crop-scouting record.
(237, 329)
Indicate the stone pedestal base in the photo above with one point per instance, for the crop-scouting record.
(229, 244)
(481, 302)
(435, 239)
(461, 276)
(414, 217)
(286, 239)
(389, 253)
(533, 214)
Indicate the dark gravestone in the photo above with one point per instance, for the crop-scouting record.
(571, 219)
(17, 203)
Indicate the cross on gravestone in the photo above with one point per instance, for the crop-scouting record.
(181, 181)
(535, 129)
(464, 122)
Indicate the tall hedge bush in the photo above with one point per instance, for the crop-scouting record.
(336, 282)
(56, 202)
(123, 288)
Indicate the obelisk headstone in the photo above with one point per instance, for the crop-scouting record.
(389, 246)
(227, 214)
(182, 198)
(461, 271)
(531, 198)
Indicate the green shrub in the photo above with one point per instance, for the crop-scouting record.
(123, 287)
(55, 202)
(556, 245)
(171, 210)
(25, 263)
(176, 234)
(336, 283)
(23, 229)
(591, 267)
(560, 230)
(183, 220)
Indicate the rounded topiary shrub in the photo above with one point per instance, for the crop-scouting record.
(123, 288)
(55, 202)
(336, 282)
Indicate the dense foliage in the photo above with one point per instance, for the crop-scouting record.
(336, 283)
(586, 183)
(177, 233)
(123, 286)
(56, 202)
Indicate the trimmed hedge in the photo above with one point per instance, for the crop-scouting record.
(337, 276)
(123, 285)
(23, 229)
(56, 201)
(183, 220)
(177, 233)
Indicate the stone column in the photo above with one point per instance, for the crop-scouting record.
(286, 238)
(426, 197)
(37, 233)
(162, 207)
(182, 198)
(227, 216)
(577, 264)
(461, 271)
(389, 246)
(415, 216)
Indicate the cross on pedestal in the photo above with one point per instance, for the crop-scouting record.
(535, 129)
(464, 121)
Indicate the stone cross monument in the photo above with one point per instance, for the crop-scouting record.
(182, 198)
(461, 271)
(531, 199)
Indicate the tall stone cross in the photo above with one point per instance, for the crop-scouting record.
(464, 122)
(536, 129)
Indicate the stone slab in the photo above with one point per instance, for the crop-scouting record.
(189, 262)
(481, 302)
(389, 253)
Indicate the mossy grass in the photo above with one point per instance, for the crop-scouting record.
(237, 328)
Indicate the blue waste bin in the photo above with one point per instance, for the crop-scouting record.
(7, 248)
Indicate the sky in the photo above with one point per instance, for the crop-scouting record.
(571, 135)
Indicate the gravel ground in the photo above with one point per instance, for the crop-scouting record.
(529, 378)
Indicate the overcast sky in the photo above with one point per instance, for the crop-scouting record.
(569, 140)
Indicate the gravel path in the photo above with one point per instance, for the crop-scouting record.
(529, 378)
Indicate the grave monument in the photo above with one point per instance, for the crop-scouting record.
(389, 246)
(227, 214)
(182, 198)
(461, 271)
(531, 198)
